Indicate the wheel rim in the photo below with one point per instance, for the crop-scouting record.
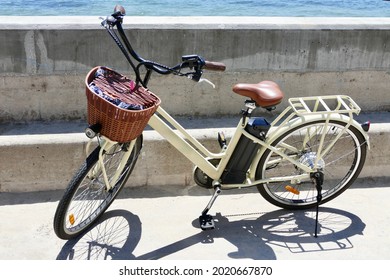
(339, 165)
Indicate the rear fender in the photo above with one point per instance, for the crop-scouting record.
(277, 131)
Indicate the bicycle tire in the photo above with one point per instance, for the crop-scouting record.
(86, 199)
(340, 171)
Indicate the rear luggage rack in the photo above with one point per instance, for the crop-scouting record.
(341, 104)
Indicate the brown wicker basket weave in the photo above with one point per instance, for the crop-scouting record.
(118, 124)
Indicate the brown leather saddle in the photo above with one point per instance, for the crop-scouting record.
(266, 94)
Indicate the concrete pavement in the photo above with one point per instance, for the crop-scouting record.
(160, 223)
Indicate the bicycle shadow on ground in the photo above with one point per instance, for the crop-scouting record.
(115, 236)
(255, 235)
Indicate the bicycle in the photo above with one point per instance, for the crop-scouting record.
(311, 153)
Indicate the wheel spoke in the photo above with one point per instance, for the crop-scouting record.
(87, 198)
(343, 148)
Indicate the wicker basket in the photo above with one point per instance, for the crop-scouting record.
(118, 124)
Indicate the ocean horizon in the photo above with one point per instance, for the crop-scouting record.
(262, 8)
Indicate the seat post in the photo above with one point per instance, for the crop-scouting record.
(250, 105)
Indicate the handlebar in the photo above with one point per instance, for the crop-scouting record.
(193, 62)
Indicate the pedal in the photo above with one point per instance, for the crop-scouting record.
(206, 222)
(222, 140)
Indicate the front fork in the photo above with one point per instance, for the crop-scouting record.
(106, 146)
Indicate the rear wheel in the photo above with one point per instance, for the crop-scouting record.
(86, 197)
(341, 165)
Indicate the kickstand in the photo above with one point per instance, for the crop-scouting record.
(319, 180)
(205, 220)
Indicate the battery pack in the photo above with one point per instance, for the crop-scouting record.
(241, 159)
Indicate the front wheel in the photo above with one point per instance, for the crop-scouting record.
(86, 197)
(341, 164)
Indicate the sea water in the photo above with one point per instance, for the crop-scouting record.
(295, 8)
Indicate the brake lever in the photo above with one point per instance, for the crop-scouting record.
(203, 80)
(197, 78)
(117, 16)
(103, 21)
(108, 21)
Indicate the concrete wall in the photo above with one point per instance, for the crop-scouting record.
(43, 61)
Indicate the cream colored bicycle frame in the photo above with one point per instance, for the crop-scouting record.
(297, 113)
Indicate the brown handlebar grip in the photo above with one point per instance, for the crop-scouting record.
(119, 8)
(214, 66)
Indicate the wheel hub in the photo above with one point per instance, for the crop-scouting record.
(309, 160)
